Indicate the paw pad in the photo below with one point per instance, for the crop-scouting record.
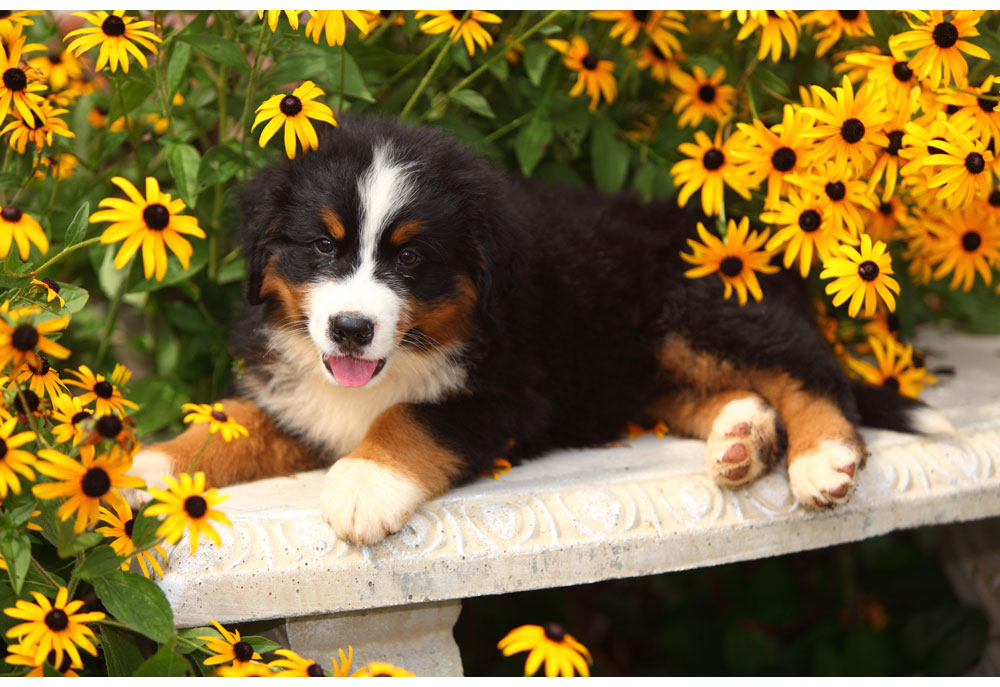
(742, 442)
(824, 477)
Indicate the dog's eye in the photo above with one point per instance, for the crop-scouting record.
(408, 258)
(324, 245)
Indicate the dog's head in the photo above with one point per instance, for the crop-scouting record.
(382, 241)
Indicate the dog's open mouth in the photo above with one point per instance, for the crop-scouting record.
(351, 371)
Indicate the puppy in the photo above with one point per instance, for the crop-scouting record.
(412, 314)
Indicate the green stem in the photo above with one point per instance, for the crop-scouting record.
(427, 77)
(64, 252)
(508, 127)
(31, 418)
(43, 572)
(407, 67)
(27, 179)
(116, 305)
(248, 103)
(73, 579)
(197, 457)
(771, 92)
(129, 123)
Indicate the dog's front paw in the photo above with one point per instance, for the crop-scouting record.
(742, 443)
(150, 465)
(365, 502)
(825, 477)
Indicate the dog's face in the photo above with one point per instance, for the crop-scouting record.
(368, 254)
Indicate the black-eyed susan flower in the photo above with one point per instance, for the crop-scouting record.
(68, 413)
(702, 96)
(20, 228)
(54, 626)
(967, 168)
(187, 506)
(471, 31)
(982, 107)
(58, 68)
(117, 35)
(97, 388)
(217, 419)
(891, 74)
(562, 654)
(849, 125)
(12, 19)
(888, 162)
(42, 380)
(896, 369)
(918, 143)
(24, 130)
(84, 483)
(296, 666)
(660, 65)
(966, 242)
(657, 24)
(21, 655)
(333, 24)
(118, 529)
(250, 669)
(803, 231)
(23, 337)
(774, 153)
(230, 648)
(61, 166)
(887, 220)
(774, 26)
(596, 77)
(940, 42)
(378, 669)
(153, 223)
(709, 167)
(837, 23)
(14, 461)
(861, 276)
(844, 195)
(736, 261)
(274, 15)
(18, 86)
(294, 112)
(49, 288)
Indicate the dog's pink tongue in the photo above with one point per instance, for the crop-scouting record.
(351, 371)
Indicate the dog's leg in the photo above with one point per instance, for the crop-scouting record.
(743, 432)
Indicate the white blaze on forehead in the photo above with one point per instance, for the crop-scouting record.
(383, 190)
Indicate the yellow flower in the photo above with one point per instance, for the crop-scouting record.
(119, 530)
(563, 655)
(294, 112)
(887, 221)
(966, 242)
(153, 222)
(18, 85)
(21, 655)
(702, 96)
(13, 460)
(250, 669)
(60, 166)
(657, 24)
(984, 112)
(736, 261)
(968, 168)
(891, 75)
(940, 45)
(839, 191)
(85, 483)
(217, 418)
(501, 466)
(805, 231)
(295, 665)
(887, 163)
(20, 339)
(861, 277)
(187, 506)
(58, 68)
(274, 15)
(376, 669)
(333, 23)
(98, 388)
(43, 380)
(774, 25)
(895, 371)
(117, 36)
(69, 412)
(849, 124)
(20, 228)
(17, 19)
(470, 31)
(37, 131)
(837, 23)
(50, 288)
(774, 153)
(660, 65)
(54, 626)
(595, 76)
(709, 168)
(229, 648)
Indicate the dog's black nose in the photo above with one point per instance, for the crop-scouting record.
(352, 329)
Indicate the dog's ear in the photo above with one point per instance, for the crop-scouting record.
(262, 203)
(498, 262)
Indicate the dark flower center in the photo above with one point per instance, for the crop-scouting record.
(659, 53)
(731, 266)
(11, 214)
(219, 415)
(43, 368)
(868, 270)
(975, 163)
(809, 221)
(885, 208)
(706, 93)
(30, 397)
(835, 190)
(95, 483)
(952, 109)
(128, 526)
(24, 338)
(113, 26)
(55, 58)
(852, 130)
(772, 13)
(640, 15)
(849, 15)
(895, 142)
(892, 322)
(994, 199)
(242, 651)
(891, 383)
(290, 105)
(713, 159)
(589, 62)
(971, 240)
(315, 670)
(195, 506)
(56, 620)
(934, 150)
(902, 72)
(987, 105)
(554, 632)
(104, 389)
(51, 283)
(80, 417)
(458, 14)
(109, 426)
(945, 34)
(5, 13)
(156, 216)
(15, 79)
(3, 448)
(783, 159)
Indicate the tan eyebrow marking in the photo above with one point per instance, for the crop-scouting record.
(406, 231)
(333, 224)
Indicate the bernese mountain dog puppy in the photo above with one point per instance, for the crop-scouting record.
(412, 314)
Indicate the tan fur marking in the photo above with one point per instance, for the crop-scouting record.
(291, 298)
(267, 452)
(447, 320)
(405, 231)
(333, 224)
(690, 412)
(396, 441)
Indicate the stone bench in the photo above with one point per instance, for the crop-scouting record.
(571, 518)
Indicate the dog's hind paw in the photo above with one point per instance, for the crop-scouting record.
(743, 442)
(365, 502)
(825, 477)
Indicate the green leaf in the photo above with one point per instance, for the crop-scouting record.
(160, 401)
(75, 297)
(78, 226)
(533, 140)
(180, 53)
(121, 655)
(165, 663)
(14, 281)
(15, 547)
(219, 49)
(134, 93)
(192, 634)
(184, 161)
(144, 528)
(500, 69)
(536, 59)
(609, 157)
(219, 165)
(771, 80)
(475, 102)
(261, 645)
(100, 561)
(71, 544)
(138, 604)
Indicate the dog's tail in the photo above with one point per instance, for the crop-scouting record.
(887, 409)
